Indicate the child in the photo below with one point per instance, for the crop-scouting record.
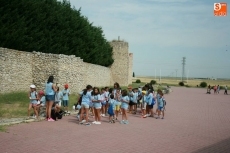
(107, 99)
(143, 107)
(86, 98)
(33, 96)
(111, 108)
(66, 93)
(135, 98)
(130, 95)
(118, 101)
(151, 101)
(158, 97)
(103, 102)
(58, 96)
(161, 106)
(96, 99)
(91, 107)
(78, 107)
(42, 101)
(124, 107)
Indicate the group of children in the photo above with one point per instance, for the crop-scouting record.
(38, 100)
(115, 101)
(108, 101)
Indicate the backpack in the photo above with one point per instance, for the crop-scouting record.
(79, 100)
(164, 102)
(110, 110)
(153, 102)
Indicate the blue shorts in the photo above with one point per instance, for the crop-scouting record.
(50, 98)
(103, 103)
(91, 104)
(97, 105)
(84, 105)
(124, 106)
(65, 103)
(160, 108)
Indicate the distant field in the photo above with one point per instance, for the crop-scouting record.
(191, 82)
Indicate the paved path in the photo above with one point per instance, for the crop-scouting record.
(194, 122)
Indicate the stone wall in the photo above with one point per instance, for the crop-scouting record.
(18, 70)
(130, 68)
(120, 67)
(15, 70)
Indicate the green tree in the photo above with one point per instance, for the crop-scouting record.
(51, 26)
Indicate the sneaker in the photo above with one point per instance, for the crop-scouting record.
(98, 123)
(116, 118)
(122, 122)
(113, 121)
(162, 118)
(110, 122)
(50, 120)
(94, 122)
(87, 124)
(126, 122)
(103, 115)
(83, 121)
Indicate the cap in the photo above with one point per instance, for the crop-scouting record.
(41, 92)
(32, 86)
(144, 92)
(66, 86)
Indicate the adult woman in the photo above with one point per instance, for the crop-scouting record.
(115, 87)
(50, 97)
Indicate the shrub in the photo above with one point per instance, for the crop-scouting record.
(203, 84)
(222, 87)
(153, 82)
(138, 81)
(181, 83)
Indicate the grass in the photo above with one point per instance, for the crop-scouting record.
(3, 128)
(15, 104)
(190, 83)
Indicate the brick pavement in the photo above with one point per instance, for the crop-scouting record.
(194, 122)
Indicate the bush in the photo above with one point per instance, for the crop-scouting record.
(222, 87)
(181, 83)
(203, 84)
(138, 81)
(153, 82)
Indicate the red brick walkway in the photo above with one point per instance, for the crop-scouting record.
(194, 122)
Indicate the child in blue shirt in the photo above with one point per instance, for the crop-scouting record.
(65, 98)
(111, 105)
(124, 107)
(96, 99)
(103, 102)
(143, 106)
(161, 106)
(135, 98)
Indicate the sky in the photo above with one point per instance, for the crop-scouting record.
(161, 32)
